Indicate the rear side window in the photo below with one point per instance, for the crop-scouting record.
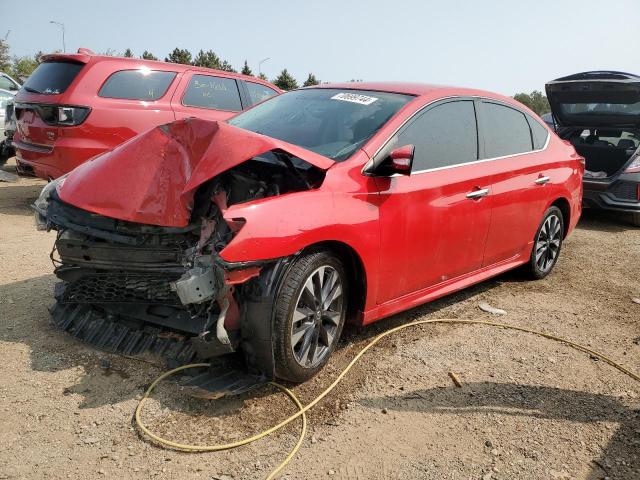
(538, 133)
(141, 84)
(506, 131)
(52, 78)
(258, 92)
(215, 93)
(443, 135)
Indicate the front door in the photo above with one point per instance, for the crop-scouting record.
(434, 222)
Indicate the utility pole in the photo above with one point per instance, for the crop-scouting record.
(260, 65)
(61, 25)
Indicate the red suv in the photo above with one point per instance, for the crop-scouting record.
(76, 106)
(266, 233)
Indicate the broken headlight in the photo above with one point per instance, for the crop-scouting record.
(42, 203)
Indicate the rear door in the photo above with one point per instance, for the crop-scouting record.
(434, 222)
(212, 97)
(597, 99)
(513, 145)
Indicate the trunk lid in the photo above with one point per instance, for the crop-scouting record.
(601, 98)
(36, 105)
(152, 178)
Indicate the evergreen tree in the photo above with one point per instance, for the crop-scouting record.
(262, 76)
(311, 80)
(227, 67)
(128, 53)
(146, 55)
(246, 70)
(179, 55)
(207, 59)
(285, 81)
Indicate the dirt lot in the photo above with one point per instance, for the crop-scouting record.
(528, 408)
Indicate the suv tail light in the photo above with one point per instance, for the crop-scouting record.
(56, 114)
(71, 115)
(634, 166)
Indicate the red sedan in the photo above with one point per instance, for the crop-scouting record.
(265, 234)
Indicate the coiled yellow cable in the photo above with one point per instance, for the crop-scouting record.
(302, 410)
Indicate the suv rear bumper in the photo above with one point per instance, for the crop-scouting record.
(51, 162)
(622, 193)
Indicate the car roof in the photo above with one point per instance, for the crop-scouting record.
(420, 90)
(85, 55)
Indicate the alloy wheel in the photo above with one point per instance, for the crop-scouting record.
(317, 316)
(548, 243)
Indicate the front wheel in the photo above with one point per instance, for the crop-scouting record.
(547, 243)
(309, 315)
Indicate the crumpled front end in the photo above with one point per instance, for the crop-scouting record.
(144, 287)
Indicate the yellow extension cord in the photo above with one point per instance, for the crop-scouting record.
(302, 410)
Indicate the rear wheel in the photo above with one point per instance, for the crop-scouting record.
(309, 316)
(547, 243)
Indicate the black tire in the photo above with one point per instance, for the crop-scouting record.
(544, 257)
(291, 362)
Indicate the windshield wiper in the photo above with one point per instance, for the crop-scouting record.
(32, 90)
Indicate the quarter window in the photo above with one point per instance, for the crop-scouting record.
(538, 133)
(443, 135)
(141, 84)
(216, 93)
(505, 129)
(258, 92)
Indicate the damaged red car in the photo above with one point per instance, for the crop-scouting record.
(265, 234)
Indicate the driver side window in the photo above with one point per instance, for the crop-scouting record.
(444, 135)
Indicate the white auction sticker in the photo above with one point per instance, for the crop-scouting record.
(354, 98)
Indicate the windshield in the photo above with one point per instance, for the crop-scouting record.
(331, 122)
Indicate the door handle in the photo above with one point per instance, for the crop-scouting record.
(542, 180)
(482, 192)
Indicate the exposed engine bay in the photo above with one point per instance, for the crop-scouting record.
(136, 288)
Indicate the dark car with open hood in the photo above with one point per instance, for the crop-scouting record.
(599, 114)
(263, 235)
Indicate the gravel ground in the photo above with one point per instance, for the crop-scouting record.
(528, 408)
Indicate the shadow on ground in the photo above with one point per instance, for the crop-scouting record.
(536, 402)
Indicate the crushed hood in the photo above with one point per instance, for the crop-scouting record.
(152, 178)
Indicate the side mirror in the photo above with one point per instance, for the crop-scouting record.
(401, 159)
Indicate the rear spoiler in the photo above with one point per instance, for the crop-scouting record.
(83, 56)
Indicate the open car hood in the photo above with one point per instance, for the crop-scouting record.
(599, 99)
(153, 177)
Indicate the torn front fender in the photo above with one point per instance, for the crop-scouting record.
(152, 178)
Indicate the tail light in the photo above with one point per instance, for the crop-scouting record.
(634, 166)
(58, 115)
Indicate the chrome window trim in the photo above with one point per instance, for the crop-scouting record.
(461, 97)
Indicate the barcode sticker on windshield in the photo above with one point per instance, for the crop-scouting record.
(354, 98)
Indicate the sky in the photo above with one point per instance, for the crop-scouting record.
(498, 45)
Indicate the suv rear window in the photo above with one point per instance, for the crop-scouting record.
(216, 93)
(52, 78)
(141, 84)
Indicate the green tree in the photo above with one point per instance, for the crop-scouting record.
(311, 80)
(23, 67)
(38, 56)
(179, 55)
(262, 76)
(246, 70)
(146, 55)
(227, 67)
(5, 58)
(535, 100)
(128, 53)
(207, 59)
(285, 81)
